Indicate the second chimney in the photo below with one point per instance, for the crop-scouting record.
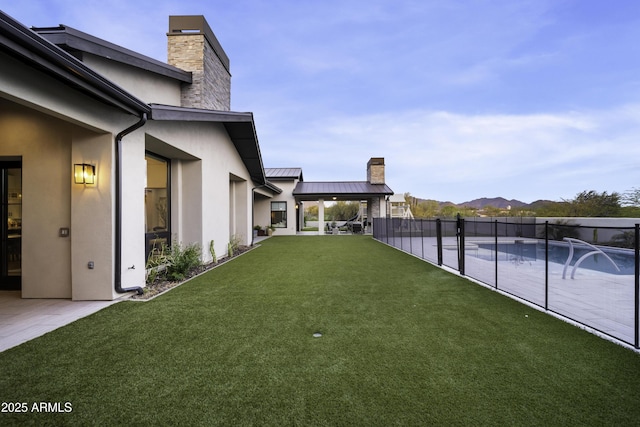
(193, 47)
(375, 170)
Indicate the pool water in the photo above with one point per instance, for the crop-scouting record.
(558, 253)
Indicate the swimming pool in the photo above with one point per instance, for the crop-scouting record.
(532, 251)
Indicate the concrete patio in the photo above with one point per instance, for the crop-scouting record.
(22, 320)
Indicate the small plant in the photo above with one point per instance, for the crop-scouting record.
(157, 263)
(257, 228)
(212, 251)
(234, 244)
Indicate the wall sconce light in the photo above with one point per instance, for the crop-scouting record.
(84, 173)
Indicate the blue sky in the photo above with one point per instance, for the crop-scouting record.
(522, 99)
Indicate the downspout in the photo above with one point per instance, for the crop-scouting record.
(118, 252)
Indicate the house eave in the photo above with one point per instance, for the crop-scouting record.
(73, 41)
(239, 126)
(27, 46)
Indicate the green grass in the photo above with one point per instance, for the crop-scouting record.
(404, 343)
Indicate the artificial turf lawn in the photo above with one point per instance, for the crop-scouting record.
(403, 343)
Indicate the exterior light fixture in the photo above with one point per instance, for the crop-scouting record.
(84, 173)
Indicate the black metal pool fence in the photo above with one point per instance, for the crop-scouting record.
(588, 274)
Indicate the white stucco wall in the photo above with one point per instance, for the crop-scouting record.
(153, 88)
(262, 208)
(286, 196)
(606, 227)
(43, 144)
(92, 219)
(58, 127)
(208, 162)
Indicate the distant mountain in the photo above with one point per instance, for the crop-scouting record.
(496, 202)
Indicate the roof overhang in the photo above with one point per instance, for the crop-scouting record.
(27, 46)
(349, 190)
(74, 41)
(284, 174)
(240, 127)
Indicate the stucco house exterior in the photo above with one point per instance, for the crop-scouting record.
(284, 212)
(281, 211)
(106, 153)
(164, 157)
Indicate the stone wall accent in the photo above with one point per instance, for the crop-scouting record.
(198, 51)
(375, 170)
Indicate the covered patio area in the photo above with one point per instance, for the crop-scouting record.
(374, 195)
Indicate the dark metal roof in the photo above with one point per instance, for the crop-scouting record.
(75, 41)
(283, 174)
(239, 126)
(340, 190)
(27, 46)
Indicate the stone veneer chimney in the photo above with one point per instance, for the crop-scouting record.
(193, 47)
(375, 170)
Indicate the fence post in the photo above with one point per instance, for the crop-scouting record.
(460, 233)
(439, 240)
(410, 235)
(393, 232)
(495, 249)
(422, 236)
(637, 282)
(386, 226)
(546, 265)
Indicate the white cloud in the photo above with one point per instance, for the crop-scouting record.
(466, 156)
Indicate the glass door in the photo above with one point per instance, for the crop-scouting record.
(11, 226)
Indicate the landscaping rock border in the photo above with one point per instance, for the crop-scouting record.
(162, 286)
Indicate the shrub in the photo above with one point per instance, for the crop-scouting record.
(183, 259)
(173, 262)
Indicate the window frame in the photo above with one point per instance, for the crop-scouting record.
(283, 212)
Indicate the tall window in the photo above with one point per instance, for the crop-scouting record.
(279, 214)
(10, 225)
(157, 203)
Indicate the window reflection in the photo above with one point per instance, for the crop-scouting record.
(157, 204)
